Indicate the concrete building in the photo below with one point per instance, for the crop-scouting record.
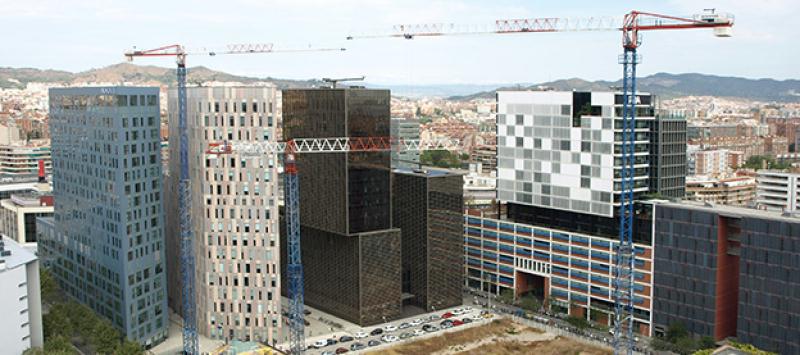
(18, 216)
(668, 155)
(715, 163)
(22, 160)
(569, 270)
(486, 157)
(479, 189)
(728, 272)
(234, 214)
(105, 244)
(21, 300)
(560, 150)
(9, 134)
(777, 190)
(405, 129)
(733, 191)
(428, 207)
(351, 252)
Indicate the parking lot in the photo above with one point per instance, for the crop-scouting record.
(373, 338)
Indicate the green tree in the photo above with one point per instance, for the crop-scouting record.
(104, 337)
(676, 331)
(57, 323)
(129, 348)
(530, 303)
(506, 296)
(49, 288)
(58, 345)
(707, 342)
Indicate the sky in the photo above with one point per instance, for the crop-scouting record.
(78, 35)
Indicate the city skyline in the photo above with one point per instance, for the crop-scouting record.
(101, 39)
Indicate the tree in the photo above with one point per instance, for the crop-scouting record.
(49, 288)
(578, 322)
(129, 348)
(676, 331)
(506, 296)
(530, 303)
(58, 345)
(56, 322)
(440, 158)
(757, 162)
(105, 338)
(707, 342)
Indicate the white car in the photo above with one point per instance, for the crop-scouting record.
(390, 328)
(416, 322)
(418, 332)
(467, 309)
(389, 338)
(320, 343)
(477, 317)
(360, 335)
(457, 312)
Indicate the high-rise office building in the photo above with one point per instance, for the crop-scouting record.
(560, 150)
(427, 206)
(777, 190)
(21, 159)
(668, 155)
(405, 129)
(350, 251)
(726, 271)
(21, 299)
(234, 213)
(105, 244)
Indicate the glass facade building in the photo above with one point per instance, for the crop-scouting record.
(351, 253)
(106, 248)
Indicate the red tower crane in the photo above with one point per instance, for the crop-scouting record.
(630, 25)
(188, 305)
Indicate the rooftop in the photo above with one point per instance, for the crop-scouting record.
(732, 211)
(19, 255)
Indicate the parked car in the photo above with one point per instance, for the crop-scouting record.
(457, 312)
(376, 331)
(430, 328)
(390, 328)
(357, 346)
(466, 320)
(341, 350)
(406, 335)
(404, 325)
(360, 335)
(418, 332)
(306, 311)
(320, 343)
(416, 322)
(434, 317)
(345, 338)
(373, 343)
(328, 353)
(332, 341)
(388, 338)
(446, 324)
(457, 322)
(447, 315)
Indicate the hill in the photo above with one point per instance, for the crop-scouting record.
(138, 74)
(676, 85)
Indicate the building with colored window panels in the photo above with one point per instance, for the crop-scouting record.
(567, 270)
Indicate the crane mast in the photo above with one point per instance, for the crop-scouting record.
(624, 271)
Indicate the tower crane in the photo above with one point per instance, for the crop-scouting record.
(630, 26)
(292, 196)
(188, 305)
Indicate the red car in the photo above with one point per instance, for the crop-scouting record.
(447, 315)
(341, 350)
(457, 322)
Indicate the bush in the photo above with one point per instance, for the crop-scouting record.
(578, 322)
(530, 303)
(506, 296)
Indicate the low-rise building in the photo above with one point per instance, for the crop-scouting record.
(777, 190)
(18, 215)
(20, 299)
(735, 191)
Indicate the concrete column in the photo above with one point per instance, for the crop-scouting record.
(34, 304)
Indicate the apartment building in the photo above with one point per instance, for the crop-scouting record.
(777, 190)
(234, 213)
(21, 300)
(18, 215)
(105, 242)
(734, 191)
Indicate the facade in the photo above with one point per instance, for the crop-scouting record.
(234, 214)
(405, 129)
(18, 216)
(715, 163)
(22, 160)
(668, 155)
(351, 253)
(485, 157)
(728, 272)
(568, 270)
(735, 191)
(777, 191)
(21, 300)
(561, 150)
(105, 244)
(428, 207)
(748, 145)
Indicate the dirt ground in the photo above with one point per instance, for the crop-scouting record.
(498, 337)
